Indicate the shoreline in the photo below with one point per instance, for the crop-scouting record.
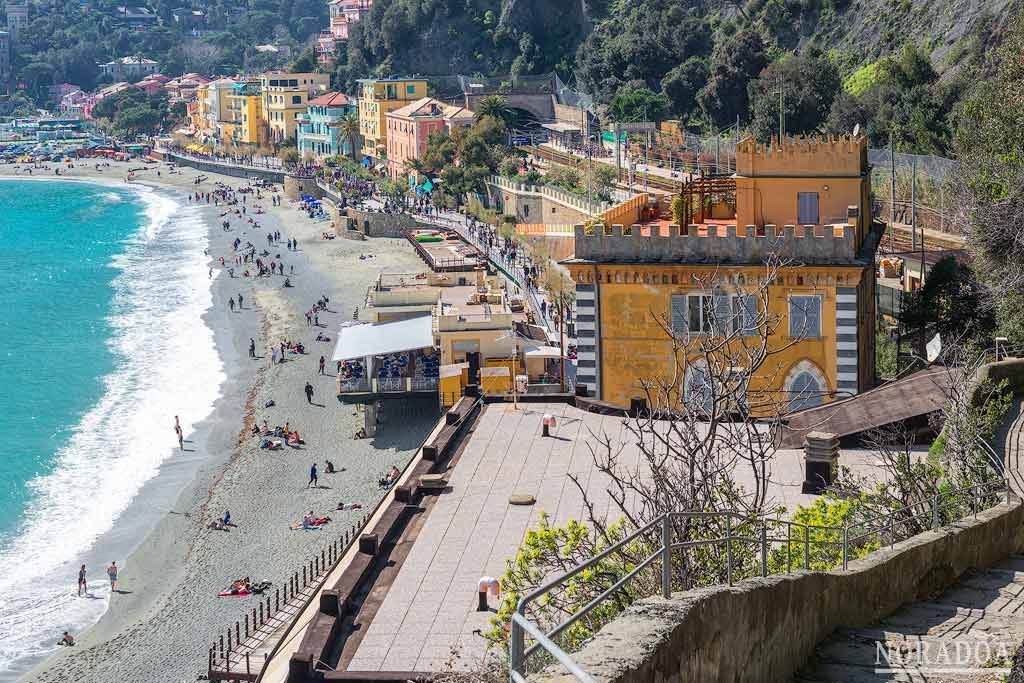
(174, 561)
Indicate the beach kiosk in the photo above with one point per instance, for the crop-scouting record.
(387, 361)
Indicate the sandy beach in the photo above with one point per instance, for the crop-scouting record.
(158, 628)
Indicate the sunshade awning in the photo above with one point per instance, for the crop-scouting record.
(361, 341)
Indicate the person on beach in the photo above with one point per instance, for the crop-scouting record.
(181, 440)
(231, 304)
(273, 355)
(83, 587)
(309, 392)
(67, 640)
(312, 477)
(112, 575)
(240, 300)
(323, 364)
(252, 347)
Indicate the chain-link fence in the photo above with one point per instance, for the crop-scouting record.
(924, 186)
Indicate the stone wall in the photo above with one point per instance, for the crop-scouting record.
(378, 224)
(295, 187)
(226, 169)
(763, 630)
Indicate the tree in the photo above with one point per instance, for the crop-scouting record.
(495, 107)
(734, 63)
(632, 105)
(348, 128)
(949, 304)
(305, 62)
(990, 146)
(809, 82)
(682, 84)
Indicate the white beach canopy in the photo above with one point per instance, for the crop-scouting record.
(372, 339)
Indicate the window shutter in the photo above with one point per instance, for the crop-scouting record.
(723, 315)
(813, 316)
(679, 313)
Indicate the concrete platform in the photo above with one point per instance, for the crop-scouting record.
(424, 608)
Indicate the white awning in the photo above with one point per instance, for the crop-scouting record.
(362, 341)
(542, 352)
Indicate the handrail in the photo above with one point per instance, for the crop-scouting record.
(878, 525)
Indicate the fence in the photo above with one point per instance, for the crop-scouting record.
(749, 547)
(236, 657)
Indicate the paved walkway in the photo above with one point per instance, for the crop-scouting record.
(429, 607)
(967, 634)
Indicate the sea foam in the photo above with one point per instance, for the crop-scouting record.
(166, 364)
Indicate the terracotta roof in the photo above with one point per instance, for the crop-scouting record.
(428, 106)
(331, 99)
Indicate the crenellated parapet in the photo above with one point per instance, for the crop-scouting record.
(715, 243)
(802, 156)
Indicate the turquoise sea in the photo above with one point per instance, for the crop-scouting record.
(56, 275)
(103, 341)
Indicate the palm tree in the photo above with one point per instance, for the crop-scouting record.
(348, 126)
(496, 107)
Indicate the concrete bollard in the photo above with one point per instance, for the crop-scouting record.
(487, 584)
(548, 424)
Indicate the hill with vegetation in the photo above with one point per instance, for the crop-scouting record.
(897, 67)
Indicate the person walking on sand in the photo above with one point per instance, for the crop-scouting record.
(240, 300)
(252, 347)
(181, 439)
(82, 585)
(312, 477)
(309, 392)
(273, 355)
(112, 575)
(231, 304)
(323, 364)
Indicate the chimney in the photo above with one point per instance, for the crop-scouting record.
(821, 458)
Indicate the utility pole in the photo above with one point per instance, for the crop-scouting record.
(913, 208)
(892, 191)
(782, 113)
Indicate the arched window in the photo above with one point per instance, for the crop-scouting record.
(805, 386)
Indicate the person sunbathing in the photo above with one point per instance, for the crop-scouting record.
(350, 506)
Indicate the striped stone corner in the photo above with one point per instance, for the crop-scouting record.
(587, 338)
(847, 344)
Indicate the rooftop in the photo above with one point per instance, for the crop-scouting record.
(425, 604)
(331, 99)
(428, 107)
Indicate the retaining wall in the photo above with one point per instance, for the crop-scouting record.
(226, 169)
(763, 630)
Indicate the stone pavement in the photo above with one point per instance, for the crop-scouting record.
(967, 634)
(430, 608)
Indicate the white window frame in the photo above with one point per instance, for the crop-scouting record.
(805, 334)
(705, 324)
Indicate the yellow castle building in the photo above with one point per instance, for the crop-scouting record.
(378, 97)
(797, 210)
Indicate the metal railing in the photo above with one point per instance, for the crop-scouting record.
(750, 548)
(237, 657)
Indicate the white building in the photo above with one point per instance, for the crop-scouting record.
(130, 68)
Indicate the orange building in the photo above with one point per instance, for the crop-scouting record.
(409, 127)
(803, 201)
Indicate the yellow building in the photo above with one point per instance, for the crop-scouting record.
(245, 108)
(285, 97)
(801, 205)
(377, 97)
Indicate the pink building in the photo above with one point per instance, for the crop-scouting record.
(409, 127)
(344, 13)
